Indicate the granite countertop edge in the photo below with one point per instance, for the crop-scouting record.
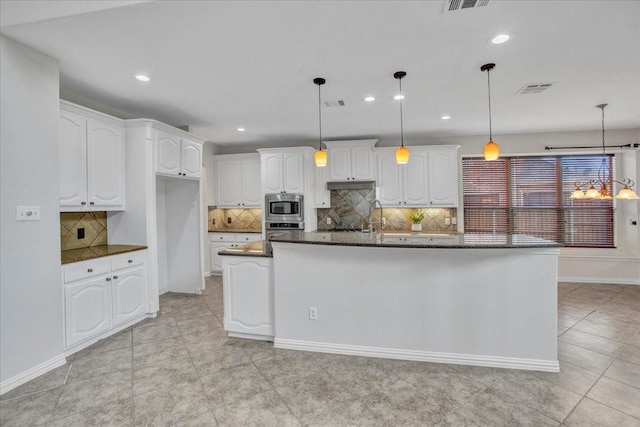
(92, 252)
(357, 239)
(235, 231)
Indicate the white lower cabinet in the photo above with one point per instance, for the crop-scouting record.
(102, 294)
(248, 297)
(221, 241)
(87, 309)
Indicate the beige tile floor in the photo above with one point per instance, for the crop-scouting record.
(181, 369)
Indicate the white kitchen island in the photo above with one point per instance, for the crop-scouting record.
(486, 300)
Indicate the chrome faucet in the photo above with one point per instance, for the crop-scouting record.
(371, 209)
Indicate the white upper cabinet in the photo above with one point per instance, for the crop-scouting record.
(284, 170)
(238, 181)
(321, 196)
(178, 157)
(429, 179)
(92, 160)
(351, 160)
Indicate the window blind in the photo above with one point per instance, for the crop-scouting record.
(530, 195)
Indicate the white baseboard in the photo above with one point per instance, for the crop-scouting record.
(163, 290)
(423, 356)
(26, 376)
(602, 280)
(250, 336)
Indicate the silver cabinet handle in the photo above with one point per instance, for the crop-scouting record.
(108, 279)
(83, 203)
(115, 277)
(92, 203)
(130, 261)
(89, 270)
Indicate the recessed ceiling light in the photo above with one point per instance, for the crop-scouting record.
(240, 129)
(370, 99)
(398, 97)
(500, 38)
(142, 78)
(445, 117)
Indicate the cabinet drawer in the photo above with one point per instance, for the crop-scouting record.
(85, 269)
(247, 237)
(221, 237)
(127, 260)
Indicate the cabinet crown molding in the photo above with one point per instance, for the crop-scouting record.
(351, 143)
(137, 123)
(89, 113)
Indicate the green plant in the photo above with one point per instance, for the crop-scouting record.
(416, 216)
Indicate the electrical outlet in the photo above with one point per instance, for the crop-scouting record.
(328, 220)
(454, 220)
(229, 220)
(27, 213)
(80, 233)
(313, 313)
(447, 221)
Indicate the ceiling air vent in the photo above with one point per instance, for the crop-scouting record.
(338, 103)
(453, 5)
(534, 88)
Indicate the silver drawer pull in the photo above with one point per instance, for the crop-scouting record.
(108, 279)
(90, 270)
(115, 277)
(130, 261)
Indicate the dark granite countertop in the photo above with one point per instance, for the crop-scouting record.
(83, 254)
(231, 230)
(257, 249)
(418, 240)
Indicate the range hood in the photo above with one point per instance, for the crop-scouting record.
(351, 185)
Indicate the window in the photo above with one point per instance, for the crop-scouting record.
(530, 195)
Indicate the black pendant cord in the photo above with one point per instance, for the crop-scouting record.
(319, 119)
(401, 124)
(603, 130)
(489, 90)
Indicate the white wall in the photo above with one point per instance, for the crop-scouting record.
(30, 287)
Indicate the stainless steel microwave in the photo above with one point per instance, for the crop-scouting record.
(284, 207)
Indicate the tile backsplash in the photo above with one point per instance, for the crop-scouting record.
(350, 209)
(235, 219)
(95, 229)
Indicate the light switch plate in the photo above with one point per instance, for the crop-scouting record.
(27, 213)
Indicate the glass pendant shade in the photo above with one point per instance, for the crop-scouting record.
(491, 151)
(320, 158)
(627, 194)
(577, 194)
(402, 155)
(592, 193)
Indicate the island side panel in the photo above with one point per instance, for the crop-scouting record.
(491, 307)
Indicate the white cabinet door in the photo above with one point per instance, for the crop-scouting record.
(229, 174)
(321, 196)
(129, 294)
(168, 155)
(293, 174)
(389, 179)
(87, 309)
(415, 179)
(191, 159)
(443, 178)
(105, 165)
(248, 295)
(251, 185)
(216, 260)
(362, 166)
(339, 164)
(72, 157)
(272, 173)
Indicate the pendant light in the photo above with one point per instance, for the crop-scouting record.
(402, 153)
(491, 149)
(605, 180)
(320, 157)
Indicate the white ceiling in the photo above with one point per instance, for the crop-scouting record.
(217, 65)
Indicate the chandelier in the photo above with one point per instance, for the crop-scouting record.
(604, 181)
